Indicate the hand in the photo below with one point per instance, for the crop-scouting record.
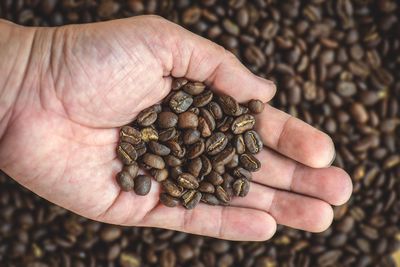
(83, 82)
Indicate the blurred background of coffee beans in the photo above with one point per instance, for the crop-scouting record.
(337, 66)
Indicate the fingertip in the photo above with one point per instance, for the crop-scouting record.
(344, 187)
(322, 150)
(323, 218)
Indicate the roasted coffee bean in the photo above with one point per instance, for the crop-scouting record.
(204, 128)
(225, 124)
(180, 102)
(140, 148)
(219, 168)
(158, 149)
(227, 184)
(203, 99)
(240, 172)
(171, 188)
(130, 135)
(178, 83)
(149, 134)
(154, 161)
(127, 153)
(146, 117)
(216, 143)
(142, 185)
(221, 194)
(225, 156)
(159, 175)
(188, 181)
(190, 136)
(209, 199)
(194, 166)
(194, 88)
(188, 120)
(206, 187)
(243, 123)
(239, 144)
(206, 166)
(125, 181)
(196, 150)
(233, 163)
(208, 117)
(168, 200)
(172, 161)
(131, 169)
(167, 119)
(253, 142)
(215, 109)
(174, 172)
(229, 105)
(249, 162)
(191, 198)
(256, 106)
(176, 149)
(241, 187)
(167, 134)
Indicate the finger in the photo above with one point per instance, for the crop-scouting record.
(231, 223)
(287, 208)
(332, 184)
(197, 58)
(295, 138)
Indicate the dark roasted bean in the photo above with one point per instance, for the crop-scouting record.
(125, 181)
(253, 142)
(216, 143)
(180, 102)
(188, 181)
(146, 117)
(127, 153)
(191, 136)
(249, 162)
(130, 135)
(154, 161)
(142, 185)
(243, 123)
(158, 149)
(168, 200)
(241, 187)
(191, 198)
(167, 119)
(256, 106)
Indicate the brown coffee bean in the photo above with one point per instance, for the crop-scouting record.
(142, 185)
(125, 181)
(188, 181)
(249, 162)
(167, 119)
(149, 134)
(158, 149)
(239, 144)
(210, 199)
(241, 187)
(215, 109)
(208, 117)
(359, 112)
(153, 161)
(196, 150)
(194, 88)
(233, 163)
(172, 161)
(127, 153)
(256, 106)
(219, 168)
(221, 194)
(206, 166)
(191, 136)
(229, 105)
(178, 83)
(216, 143)
(171, 188)
(140, 148)
(168, 200)
(146, 117)
(167, 134)
(187, 120)
(130, 135)
(176, 149)
(203, 99)
(225, 124)
(194, 166)
(253, 142)
(194, 110)
(160, 175)
(206, 187)
(225, 156)
(204, 128)
(168, 258)
(174, 172)
(240, 172)
(132, 169)
(243, 123)
(346, 89)
(191, 198)
(180, 102)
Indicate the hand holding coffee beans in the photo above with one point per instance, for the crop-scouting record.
(199, 145)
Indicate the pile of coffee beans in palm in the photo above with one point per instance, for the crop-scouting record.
(199, 145)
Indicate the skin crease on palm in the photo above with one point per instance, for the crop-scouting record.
(68, 89)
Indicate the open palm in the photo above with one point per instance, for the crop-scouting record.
(91, 79)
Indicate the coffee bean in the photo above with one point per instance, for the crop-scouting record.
(216, 143)
(256, 106)
(196, 150)
(172, 161)
(178, 83)
(215, 109)
(209, 119)
(225, 124)
(243, 123)
(154, 161)
(158, 149)
(159, 175)
(206, 187)
(203, 99)
(188, 181)
(253, 142)
(240, 172)
(241, 187)
(194, 166)
(142, 185)
(191, 198)
(233, 163)
(127, 153)
(194, 88)
(174, 172)
(130, 135)
(146, 117)
(180, 102)
(140, 148)
(125, 181)
(190, 136)
(239, 144)
(187, 120)
(209, 199)
(219, 168)
(168, 200)
(132, 169)
(249, 162)
(167, 119)
(206, 166)
(204, 128)
(225, 156)
(149, 134)
(171, 188)
(167, 134)
(221, 194)
(176, 149)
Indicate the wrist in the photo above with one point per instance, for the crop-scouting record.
(15, 51)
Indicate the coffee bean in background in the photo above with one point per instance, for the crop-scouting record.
(336, 66)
